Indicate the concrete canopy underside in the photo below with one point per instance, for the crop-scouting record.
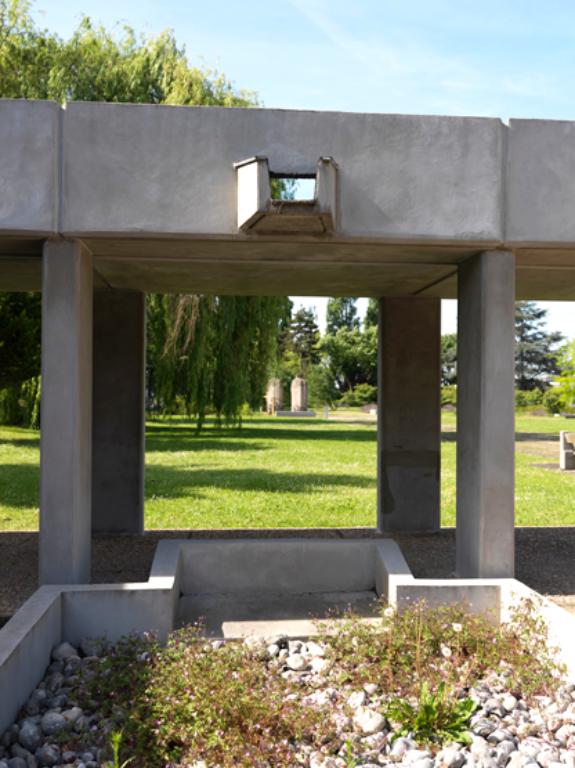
(150, 191)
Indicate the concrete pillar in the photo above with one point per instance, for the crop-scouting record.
(486, 416)
(66, 414)
(118, 429)
(409, 415)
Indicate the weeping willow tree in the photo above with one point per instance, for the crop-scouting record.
(212, 352)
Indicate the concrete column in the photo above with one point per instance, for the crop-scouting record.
(409, 417)
(486, 416)
(66, 414)
(119, 412)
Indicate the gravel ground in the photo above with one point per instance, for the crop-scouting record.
(505, 730)
(544, 558)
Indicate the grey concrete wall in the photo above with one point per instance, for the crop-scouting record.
(29, 135)
(486, 416)
(26, 643)
(66, 438)
(118, 428)
(409, 417)
(540, 194)
(276, 565)
(170, 169)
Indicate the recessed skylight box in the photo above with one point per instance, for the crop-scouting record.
(272, 202)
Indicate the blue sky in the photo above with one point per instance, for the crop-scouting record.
(498, 58)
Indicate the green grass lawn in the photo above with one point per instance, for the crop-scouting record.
(286, 473)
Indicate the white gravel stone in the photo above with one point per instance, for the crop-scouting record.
(53, 722)
(450, 757)
(64, 651)
(315, 649)
(297, 662)
(356, 699)
(369, 721)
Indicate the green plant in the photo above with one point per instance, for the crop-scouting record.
(436, 718)
(449, 395)
(116, 744)
(553, 400)
(350, 760)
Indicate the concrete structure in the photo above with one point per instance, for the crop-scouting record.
(151, 198)
(486, 416)
(409, 423)
(187, 576)
(118, 423)
(298, 394)
(566, 450)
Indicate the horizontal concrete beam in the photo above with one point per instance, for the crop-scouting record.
(152, 190)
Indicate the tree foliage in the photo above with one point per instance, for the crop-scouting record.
(352, 357)
(206, 352)
(372, 313)
(448, 359)
(536, 349)
(341, 313)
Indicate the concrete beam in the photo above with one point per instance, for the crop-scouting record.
(118, 427)
(409, 419)
(66, 438)
(486, 416)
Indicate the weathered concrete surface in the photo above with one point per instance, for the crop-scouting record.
(29, 167)
(296, 566)
(66, 438)
(118, 412)
(409, 416)
(486, 417)
(540, 192)
(152, 192)
(171, 170)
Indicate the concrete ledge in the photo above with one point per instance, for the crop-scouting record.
(26, 642)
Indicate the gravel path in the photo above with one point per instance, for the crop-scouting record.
(544, 558)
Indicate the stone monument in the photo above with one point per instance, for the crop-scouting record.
(298, 399)
(274, 396)
(299, 394)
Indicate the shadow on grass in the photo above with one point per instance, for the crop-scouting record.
(520, 437)
(213, 435)
(19, 485)
(173, 441)
(171, 483)
(27, 442)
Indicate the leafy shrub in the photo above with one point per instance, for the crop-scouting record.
(187, 702)
(362, 394)
(446, 643)
(529, 398)
(436, 717)
(449, 395)
(553, 401)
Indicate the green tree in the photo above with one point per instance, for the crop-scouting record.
(341, 313)
(371, 314)
(303, 339)
(564, 392)
(352, 357)
(536, 349)
(205, 352)
(448, 359)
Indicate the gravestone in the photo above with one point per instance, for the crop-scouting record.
(299, 394)
(274, 396)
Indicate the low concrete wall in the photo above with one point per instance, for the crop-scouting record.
(72, 612)
(277, 565)
(26, 642)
